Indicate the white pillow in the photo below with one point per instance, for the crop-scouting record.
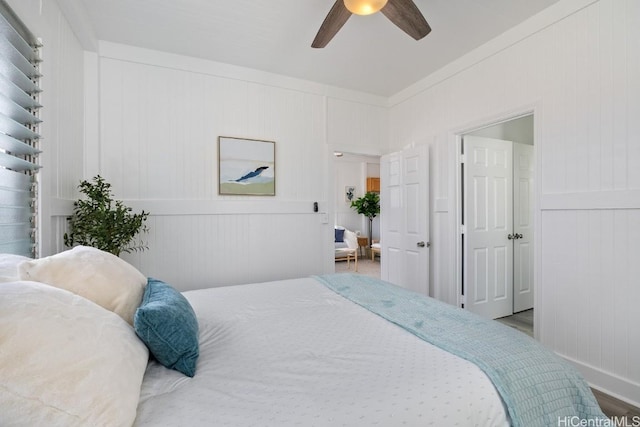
(9, 267)
(351, 239)
(98, 276)
(65, 361)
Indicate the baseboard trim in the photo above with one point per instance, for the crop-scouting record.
(621, 388)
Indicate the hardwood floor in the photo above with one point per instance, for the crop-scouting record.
(613, 407)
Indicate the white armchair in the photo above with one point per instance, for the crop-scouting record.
(348, 249)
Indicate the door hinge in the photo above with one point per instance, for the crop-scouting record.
(463, 229)
(463, 158)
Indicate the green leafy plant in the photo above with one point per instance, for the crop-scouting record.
(369, 206)
(103, 223)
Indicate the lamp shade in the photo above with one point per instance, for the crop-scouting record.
(364, 7)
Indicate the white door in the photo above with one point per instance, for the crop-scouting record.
(488, 219)
(404, 218)
(523, 174)
(391, 214)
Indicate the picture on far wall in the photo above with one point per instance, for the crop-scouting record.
(349, 193)
(246, 167)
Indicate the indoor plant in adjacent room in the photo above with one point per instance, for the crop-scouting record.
(104, 223)
(369, 206)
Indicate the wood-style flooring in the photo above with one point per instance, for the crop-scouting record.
(613, 407)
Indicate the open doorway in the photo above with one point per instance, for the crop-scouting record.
(353, 176)
(497, 211)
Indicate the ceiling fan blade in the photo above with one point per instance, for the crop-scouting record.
(335, 19)
(406, 15)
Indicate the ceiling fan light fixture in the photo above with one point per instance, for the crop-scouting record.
(364, 7)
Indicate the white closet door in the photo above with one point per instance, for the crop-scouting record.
(523, 179)
(488, 244)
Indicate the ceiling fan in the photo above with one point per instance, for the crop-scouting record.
(403, 13)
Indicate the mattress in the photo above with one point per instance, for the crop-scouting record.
(294, 352)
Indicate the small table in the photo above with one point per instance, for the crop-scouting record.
(363, 242)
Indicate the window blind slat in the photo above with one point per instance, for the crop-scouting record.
(15, 231)
(16, 147)
(15, 198)
(15, 129)
(15, 163)
(12, 23)
(15, 112)
(22, 247)
(19, 96)
(14, 181)
(10, 33)
(9, 53)
(13, 74)
(10, 214)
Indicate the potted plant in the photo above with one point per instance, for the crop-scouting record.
(369, 206)
(103, 223)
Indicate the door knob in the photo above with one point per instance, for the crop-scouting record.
(421, 244)
(510, 236)
(519, 236)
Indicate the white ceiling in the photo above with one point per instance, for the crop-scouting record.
(369, 54)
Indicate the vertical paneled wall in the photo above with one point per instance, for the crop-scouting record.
(159, 130)
(581, 75)
(159, 124)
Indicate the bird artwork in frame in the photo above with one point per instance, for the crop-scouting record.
(246, 167)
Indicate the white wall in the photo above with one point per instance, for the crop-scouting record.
(62, 114)
(577, 65)
(159, 116)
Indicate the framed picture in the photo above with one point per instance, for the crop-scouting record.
(246, 167)
(349, 193)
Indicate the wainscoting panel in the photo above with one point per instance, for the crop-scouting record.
(199, 251)
(589, 301)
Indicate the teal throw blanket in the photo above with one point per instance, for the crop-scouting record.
(537, 386)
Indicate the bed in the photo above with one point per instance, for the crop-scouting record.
(325, 351)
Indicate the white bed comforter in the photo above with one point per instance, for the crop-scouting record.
(294, 353)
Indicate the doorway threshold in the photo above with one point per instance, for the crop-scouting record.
(522, 321)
